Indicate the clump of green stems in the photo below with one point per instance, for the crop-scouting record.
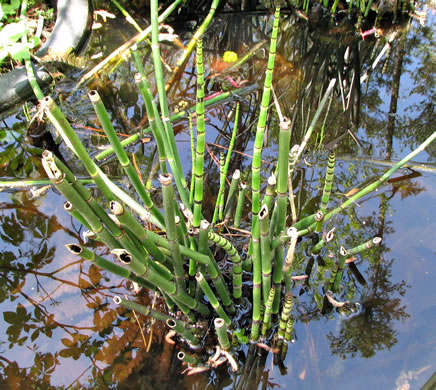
(159, 261)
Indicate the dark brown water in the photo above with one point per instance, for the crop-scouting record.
(60, 326)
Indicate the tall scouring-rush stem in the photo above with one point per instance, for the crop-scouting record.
(255, 180)
(124, 160)
(282, 203)
(169, 133)
(199, 153)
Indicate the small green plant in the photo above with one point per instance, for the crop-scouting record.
(17, 39)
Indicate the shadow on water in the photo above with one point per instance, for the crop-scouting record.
(61, 328)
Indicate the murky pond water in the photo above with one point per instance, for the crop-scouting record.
(60, 326)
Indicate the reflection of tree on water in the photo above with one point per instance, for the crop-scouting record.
(373, 329)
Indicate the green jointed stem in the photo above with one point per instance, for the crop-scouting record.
(221, 98)
(129, 222)
(144, 310)
(268, 311)
(64, 128)
(199, 152)
(220, 199)
(108, 265)
(286, 312)
(122, 155)
(182, 330)
(68, 191)
(83, 192)
(365, 246)
(153, 117)
(143, 213)
(313, 123)
(328, 237)
(255, 184)
(221, 331)
(289, 329)
(327, 187)
(127, 16)
(212, 298)
(219, 205)
(192, 254)
(240, 205)
(282, 202)
(236, 261)
(189, 359)
(165, 285)
(228, 210)
(68, 207)
(193, 42)
(179, 176)
(191, 134)
(382, 179)
(341, 265)
(134, 263)
(270, 192)
(169, 214)
(265, 249)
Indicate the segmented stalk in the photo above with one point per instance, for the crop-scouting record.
(270, 192)
(289, 329)
(255, 183)
(129, 222)
(107, 265)
(181, 114)
(286, 312)
(327, 187)
(365, 246)
(232, 195)
(199, 153)
(124, 160)
(220, 198)
(170, 225)
(221, 331)
(341, 265)
(219, 206)
(236, 261)
(268, 311)
(282, 202)
(191, 45)
(172, 148)
(182, 330)
(265, 251)
(154, 120)
(240, 204)
(58, 120)
(212, 298)
(188, 359)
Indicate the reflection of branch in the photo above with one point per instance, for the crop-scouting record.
(47, 274)
(64, 326)
(57, 225)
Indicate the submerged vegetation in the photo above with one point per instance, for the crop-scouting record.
(221, 293)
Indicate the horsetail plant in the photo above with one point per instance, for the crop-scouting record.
(255, 180)
(158, 260)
